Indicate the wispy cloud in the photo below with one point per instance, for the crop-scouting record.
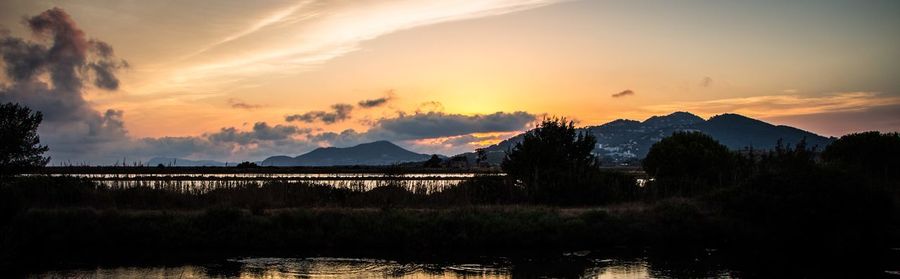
(276, 17)
(783, 105)
(706, 82)
(238, 104)
(278, 44)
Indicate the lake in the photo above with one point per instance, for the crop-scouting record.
(202, 182)
(574, 265)
(580, 264)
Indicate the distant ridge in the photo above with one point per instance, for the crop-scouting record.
(366, 154)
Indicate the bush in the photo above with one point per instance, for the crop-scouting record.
(689, 163)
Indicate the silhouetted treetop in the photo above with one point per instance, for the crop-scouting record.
(551, 155)
(689, 158)
(873, 153)
(433, 162)
(246, 164)
(19, 141)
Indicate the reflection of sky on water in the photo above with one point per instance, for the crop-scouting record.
(378, 268)
(202, 182)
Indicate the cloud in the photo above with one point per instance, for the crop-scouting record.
(431, 106)
(706, 82)
(438, 124)
(238, 104)
(340, 112)
(52, 74)
(881, 118)
(277, 17)
(346, 137)
(68, 60)
(228, 144)
(431, 127)
(373, 102)
(261, 132)
(783, 105)
(434, 132)
(377, 102)
(313, 34)
(625, 93)
(104, 72)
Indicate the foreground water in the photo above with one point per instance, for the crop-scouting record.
(571, 266)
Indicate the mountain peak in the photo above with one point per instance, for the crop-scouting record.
(675, 118)
(381, 143)
(734, 117)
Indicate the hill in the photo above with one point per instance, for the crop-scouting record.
(366, 154)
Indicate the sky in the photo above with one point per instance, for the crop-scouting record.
(244, 80)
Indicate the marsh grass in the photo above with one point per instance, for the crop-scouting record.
(54, 192)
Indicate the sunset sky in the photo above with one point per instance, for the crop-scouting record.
(243, 80)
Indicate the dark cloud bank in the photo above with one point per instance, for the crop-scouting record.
(51, 72)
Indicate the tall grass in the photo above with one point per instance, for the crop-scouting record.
(52, 192)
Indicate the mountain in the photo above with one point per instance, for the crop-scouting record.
(626, 141)
(178, 162)
(737, 131)
(366, 154)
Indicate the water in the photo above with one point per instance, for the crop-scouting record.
(565, 267)
(203, 182)
(309, 176)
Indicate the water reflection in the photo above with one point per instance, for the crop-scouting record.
(202, 186)
(311, 176)
(379, 268)
(204, 182)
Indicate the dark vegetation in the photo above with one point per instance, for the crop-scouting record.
(246, 164)
(793, 205)
(20, 148)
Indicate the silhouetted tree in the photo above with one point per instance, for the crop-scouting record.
(246, 164)
(481, 159)
(552, 162)
(871, 153)
(687, 163)
(458, 161)
(785, 159)
(19, 141)
(433, 162)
